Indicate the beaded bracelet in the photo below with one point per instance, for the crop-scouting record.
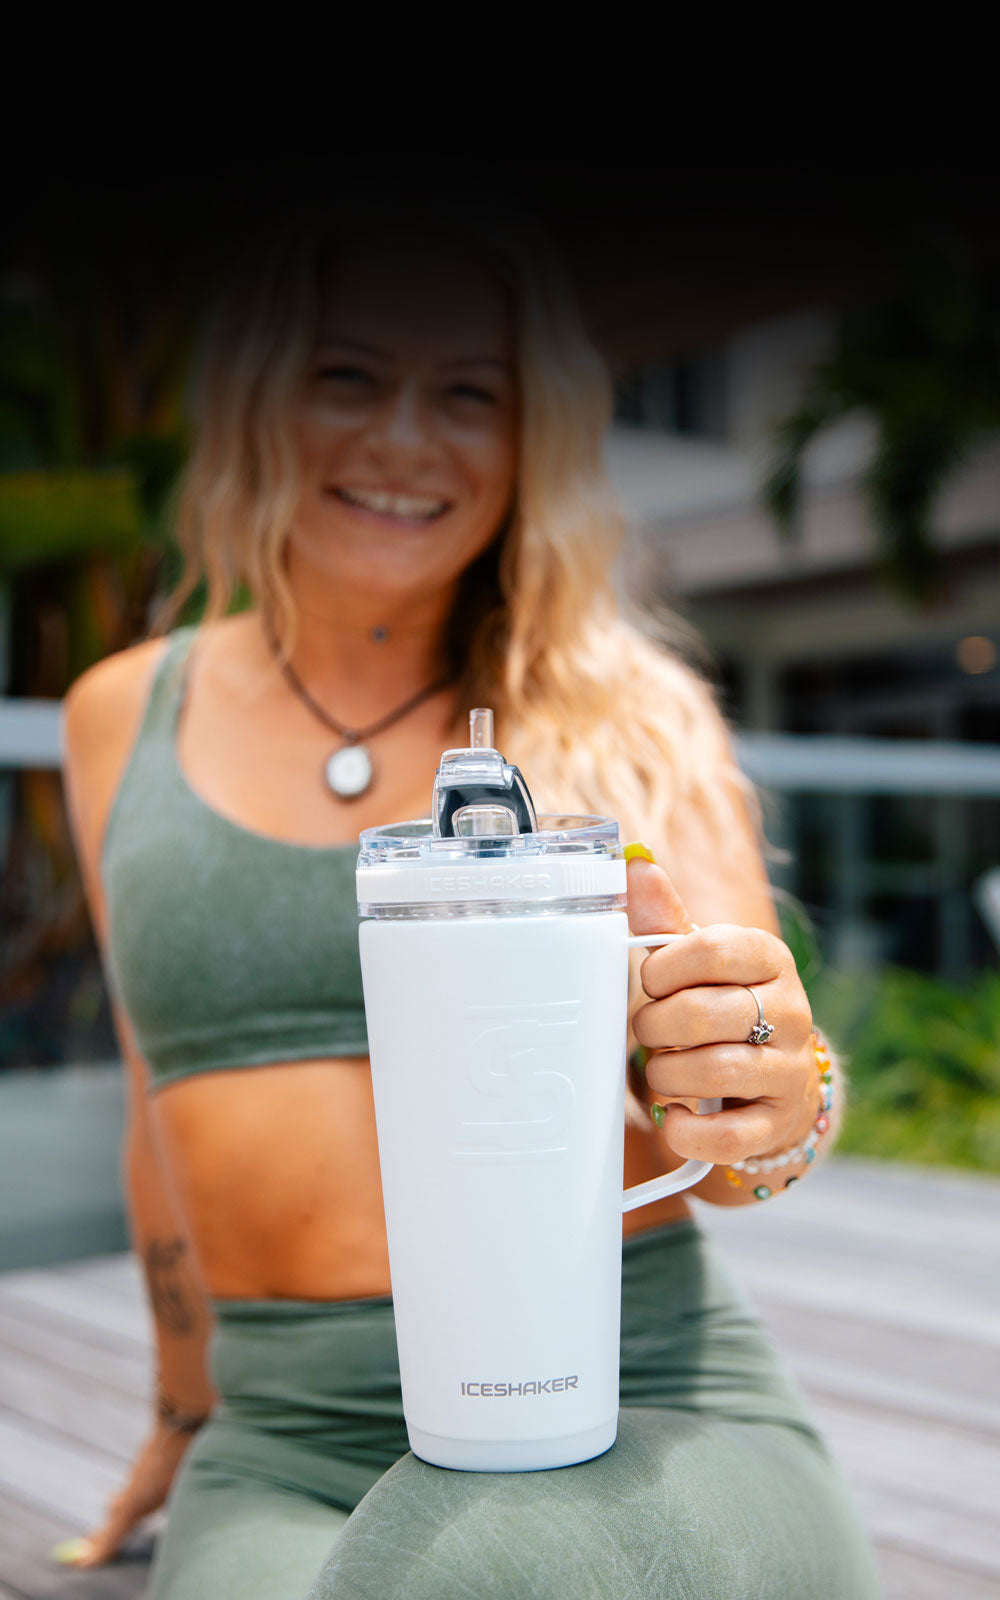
(806, 1151)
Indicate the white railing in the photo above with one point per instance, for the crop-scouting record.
(29, 733)
(787, 762)
(831, 764)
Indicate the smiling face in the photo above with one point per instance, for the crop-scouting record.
(406, 427)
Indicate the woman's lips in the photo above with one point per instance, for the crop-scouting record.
(389, 505)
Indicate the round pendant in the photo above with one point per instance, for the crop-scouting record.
(349, 771)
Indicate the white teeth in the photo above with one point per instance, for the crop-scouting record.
(393, 505)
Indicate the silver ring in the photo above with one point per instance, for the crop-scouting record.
(761, 1030)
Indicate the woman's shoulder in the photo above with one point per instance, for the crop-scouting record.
(103, 709)
(106, 699)
(102, 712)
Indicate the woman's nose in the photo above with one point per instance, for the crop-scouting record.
(403, 421)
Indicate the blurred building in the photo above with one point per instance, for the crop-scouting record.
(811, 638)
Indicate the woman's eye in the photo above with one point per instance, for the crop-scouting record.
(345, 374)
(472, 391)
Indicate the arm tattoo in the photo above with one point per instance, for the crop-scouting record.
(177, 1420)
(172, 1306)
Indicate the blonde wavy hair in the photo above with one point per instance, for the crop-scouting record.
(600, 716)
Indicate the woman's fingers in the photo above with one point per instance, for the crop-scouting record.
(722, 1137)
(72, 1552)
(723, 1072)
(96, 1548)
(654, 906)
(722, 954)
(724, 1014)
(698, 1023)
(146, 1490)
(720, 1014)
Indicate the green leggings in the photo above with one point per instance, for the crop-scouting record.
(718, 1488)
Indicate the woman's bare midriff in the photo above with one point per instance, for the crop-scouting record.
(276, 1170)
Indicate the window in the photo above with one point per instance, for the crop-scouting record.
(687, 398)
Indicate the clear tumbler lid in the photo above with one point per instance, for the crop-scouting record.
(565, 863)
(484, 847)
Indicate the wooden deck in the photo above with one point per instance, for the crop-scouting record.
(879, 1283)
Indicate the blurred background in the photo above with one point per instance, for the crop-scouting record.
(807, 442)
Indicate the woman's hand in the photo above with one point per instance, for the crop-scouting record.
(697, 1023)
(144, 1491)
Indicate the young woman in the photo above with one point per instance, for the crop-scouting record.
(399, 456)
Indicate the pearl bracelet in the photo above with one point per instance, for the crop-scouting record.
(804, 1152)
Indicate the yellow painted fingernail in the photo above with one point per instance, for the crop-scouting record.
(70, 1550)
(641, 850)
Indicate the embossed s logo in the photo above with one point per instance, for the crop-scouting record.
(524, 1102)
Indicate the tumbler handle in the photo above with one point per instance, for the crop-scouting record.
(692, 1171)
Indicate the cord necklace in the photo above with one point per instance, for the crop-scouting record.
(350, 772)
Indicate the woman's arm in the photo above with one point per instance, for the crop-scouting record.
(695, 1023)
(181, 1325)
(181, 1318)
(101, 716)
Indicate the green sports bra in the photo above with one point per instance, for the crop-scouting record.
(227, 948)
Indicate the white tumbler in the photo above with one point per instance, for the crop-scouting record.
(495, 968)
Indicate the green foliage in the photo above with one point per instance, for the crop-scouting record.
(92, 437)
(922, 1057)
(800, 936)
(59, 514)
(92, 367)
(923, 1063)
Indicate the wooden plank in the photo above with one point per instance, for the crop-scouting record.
(121, 1273)
(879, 1391)
(57, 1474)
(61, 1300)
(75, 1380)
(909, 1577)
(918, 1193)
(27, 1536)
(898, 1370)
(920, 1486)
(894, 1248)
(856, 1238)
(880, 1292)
(126, 1370)
(938, 1215)
(36, 1392)
(963, 1367)
(924, 1460)
(871, 1281)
